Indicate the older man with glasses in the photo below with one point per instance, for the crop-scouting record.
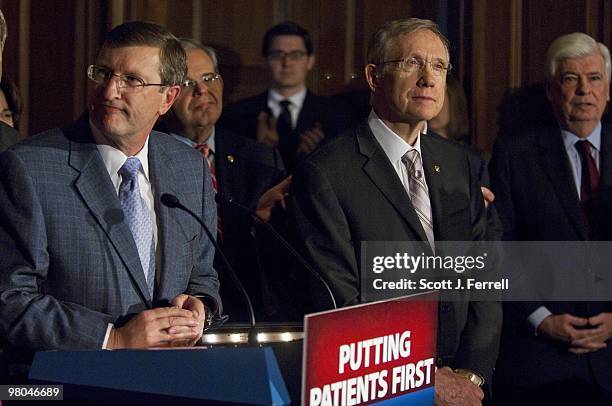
(392, 180)
(90, 257)
(243, 169)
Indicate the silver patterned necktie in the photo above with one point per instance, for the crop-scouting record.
(418, 191)
(138, 218)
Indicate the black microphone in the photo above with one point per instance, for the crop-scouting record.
(224, 199)
(173, 202)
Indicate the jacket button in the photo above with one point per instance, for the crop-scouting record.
(444, 308)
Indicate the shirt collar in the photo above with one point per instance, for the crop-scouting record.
(570, 139)
(393, 145)
(210, 141)
(297, 100)
(114, 159)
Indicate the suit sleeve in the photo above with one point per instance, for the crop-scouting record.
(204, 281)
(323, 235)
(479, 341)
(28, 317)
(502, 184)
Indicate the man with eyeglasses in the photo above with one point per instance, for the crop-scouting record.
(8, 136)
(287, 116)
(91, 258)
(244, 169)
(392, 180)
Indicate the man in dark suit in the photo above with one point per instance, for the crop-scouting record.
(554, 184)
(88, 250)
(245, 170)
(287, 116)
(359, 187)
(8, 136)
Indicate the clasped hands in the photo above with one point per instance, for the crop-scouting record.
(583, 334)
(266, 134)
(180, 325)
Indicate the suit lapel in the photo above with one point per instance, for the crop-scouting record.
(98, 193)
(383, 175)
(170, 221)
(431, 161)
(307, 116)
(556, 166)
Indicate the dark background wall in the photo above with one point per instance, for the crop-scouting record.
(496, 45)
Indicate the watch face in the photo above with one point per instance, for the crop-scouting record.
(472, 376)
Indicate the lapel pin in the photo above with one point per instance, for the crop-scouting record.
(231, 159)
(437, 168)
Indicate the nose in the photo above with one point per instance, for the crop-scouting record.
(200, 88)
(110, 88)
(427, 77)
(584, 87)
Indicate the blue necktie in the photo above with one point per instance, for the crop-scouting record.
(138, 219)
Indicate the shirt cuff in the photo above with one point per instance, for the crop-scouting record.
(107, 335)
(537, 317)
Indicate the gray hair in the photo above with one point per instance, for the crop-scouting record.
(3, 31)
(191, 43)
(384, 38)
(575, 45)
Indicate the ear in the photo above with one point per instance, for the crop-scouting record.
(168, 98)
(372, 76)
(311, 61)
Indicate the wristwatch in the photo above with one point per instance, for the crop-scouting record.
(472, 376)
(210, 315)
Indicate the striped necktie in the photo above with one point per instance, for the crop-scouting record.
(419, 195)
(206, 151)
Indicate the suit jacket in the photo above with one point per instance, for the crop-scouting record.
(69, 264)
(241, 118)
(536, 199)
(8, 136)
(348, 192)
(245, 169)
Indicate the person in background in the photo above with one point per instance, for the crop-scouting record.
(10, 103)
(288, 115)
(8, 135)
(244, 170)
(553, 183)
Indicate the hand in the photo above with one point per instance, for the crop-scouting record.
(196, 306)
(564, 327)
(271, 197)
(310, 139)
(598, 335)
(451, 389)
(488, 196)
(161, 327)
(266, 129)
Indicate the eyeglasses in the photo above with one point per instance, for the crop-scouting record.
(208, 79)
(412, 64)
(127, 83)
(280, 55)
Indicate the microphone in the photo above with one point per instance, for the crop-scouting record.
(172, 201)
(224, 199)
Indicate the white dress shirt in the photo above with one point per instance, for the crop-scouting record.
(297, 102)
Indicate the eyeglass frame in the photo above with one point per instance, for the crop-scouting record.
(278, 55)
(421, 65)
(215, 78)
(121, 79)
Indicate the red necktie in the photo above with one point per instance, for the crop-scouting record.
(205, 150)
(589, 182)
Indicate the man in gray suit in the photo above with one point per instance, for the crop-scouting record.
(88, 250)
(8, 136)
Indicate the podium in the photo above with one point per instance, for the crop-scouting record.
(222, 375)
